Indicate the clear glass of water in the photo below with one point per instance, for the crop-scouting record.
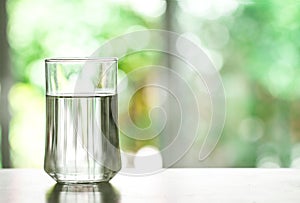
(82, 137)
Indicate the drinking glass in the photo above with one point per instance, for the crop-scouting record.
(82, 137)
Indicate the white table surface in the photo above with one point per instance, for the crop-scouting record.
(171, 185)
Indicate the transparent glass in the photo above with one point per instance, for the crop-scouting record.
(82, 136)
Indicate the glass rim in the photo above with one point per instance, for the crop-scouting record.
(81, 59)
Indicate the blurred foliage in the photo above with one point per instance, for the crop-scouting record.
(254, 44)
(57, 28)
(263, 53)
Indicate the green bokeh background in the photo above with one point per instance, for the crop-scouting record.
(254, 44)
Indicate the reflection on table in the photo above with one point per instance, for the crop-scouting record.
(100, 193)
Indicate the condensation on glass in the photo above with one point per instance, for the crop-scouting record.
(82, 137)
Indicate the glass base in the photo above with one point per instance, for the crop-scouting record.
(82, 179)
